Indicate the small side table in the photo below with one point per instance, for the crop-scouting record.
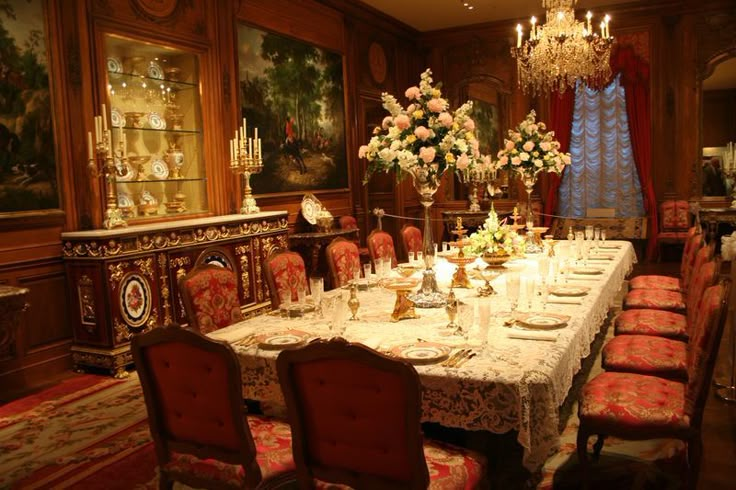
(12, 306)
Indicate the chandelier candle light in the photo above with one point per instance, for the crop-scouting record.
(246, 159)
(423, 140)
(562, 51)
(101, 161)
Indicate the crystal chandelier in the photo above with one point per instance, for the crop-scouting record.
(562, 51)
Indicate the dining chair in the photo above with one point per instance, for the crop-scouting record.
(209, 294)
(657, 355)
(285, 274)
(381, 246)
(661, 299)
(639, 407)
(343, 260)
(674, 221)
(672, 283)
(355, 418)
(411, 238)
(201, 434)
(661, 323)
(348, 222)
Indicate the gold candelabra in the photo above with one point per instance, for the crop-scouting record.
(460, 278)
(101, 162)
(246, 159)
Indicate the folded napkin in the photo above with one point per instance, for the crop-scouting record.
(531, 335)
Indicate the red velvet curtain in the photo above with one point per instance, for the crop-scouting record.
(561, 112)
(635, 80)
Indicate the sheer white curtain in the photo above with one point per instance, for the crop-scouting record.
(603, 173)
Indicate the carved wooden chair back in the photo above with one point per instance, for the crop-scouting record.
(285, 274)
(343, 260)
(210, 297)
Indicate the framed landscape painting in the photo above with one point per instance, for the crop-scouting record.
(28, 176)
(293, 93)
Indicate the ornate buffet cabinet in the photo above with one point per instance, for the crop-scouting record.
(124, 281)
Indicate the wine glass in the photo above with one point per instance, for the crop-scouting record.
(529, 285)
(588, 232)
(544, 269)
(513, 284)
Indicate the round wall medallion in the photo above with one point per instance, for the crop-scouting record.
(135, 299)
(377, 62)
(156, 8)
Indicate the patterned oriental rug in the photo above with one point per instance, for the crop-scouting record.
(90, 432)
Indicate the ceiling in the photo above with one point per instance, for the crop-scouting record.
(429, 15)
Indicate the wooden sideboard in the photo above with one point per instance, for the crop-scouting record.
(124, 281)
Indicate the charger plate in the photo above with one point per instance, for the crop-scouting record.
(421, 353)
(542, 320)
(287, 339)
(562, 290)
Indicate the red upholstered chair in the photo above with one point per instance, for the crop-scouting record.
(667, 324)
(210, 297)
(638, 407)
(343, 261)
(655, 281)
(355, 418)
(674, 221)
(285, 274)
(202, 437)
(348, 222)
(381, 246)
(662, 299)
(411, 237)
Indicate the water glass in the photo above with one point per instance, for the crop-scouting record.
(317, 287)
(420, 257)
(285, 295)
(597, 235)
(588, 232)
(512, 288)
(484, 320)
(603, 236)
(301, 295)
(544, 269)
(367, 272)
(339, 316)
(465, 316)
(445, 246)
(529, 284)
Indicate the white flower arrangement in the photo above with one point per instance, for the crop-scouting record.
(425, 134)
(494, 236)
(530, 149)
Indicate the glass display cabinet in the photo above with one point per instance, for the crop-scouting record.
(156, 121)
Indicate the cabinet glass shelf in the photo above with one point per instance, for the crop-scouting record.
(165, 181)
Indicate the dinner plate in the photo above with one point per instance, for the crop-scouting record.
(569, 290)
(589, 271)
(282, 340)
(125, 201)
(156, 121)
(542, 320)
(311, 208)
(116, 118)
(422, 352)
(114, 66)
(154, 70)
(159, 169)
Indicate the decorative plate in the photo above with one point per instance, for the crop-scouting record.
(147, 198)
(154, 70)
(590, 271)
(156, 121)
(116, 118)
(282, 340)
(159, 169)
(125, 201)
(126, 173)
(542, 320)
(311, 208)
(217, 258)
(422, 352)
(114, 66)
(135, 299)
(569, 290)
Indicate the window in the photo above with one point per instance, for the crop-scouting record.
(603, 173)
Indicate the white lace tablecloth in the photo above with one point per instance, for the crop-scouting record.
(512, 384)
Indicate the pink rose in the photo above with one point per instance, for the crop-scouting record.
(504, 161)
(422, 133)
(436, 105)
(509, 144)
(413, 93)
(402, 121)
(427, 153)
(469, 124)
(545, 146)
(445, 119)
(462, 162)
(566, 159)
(387, 122)
(362, 151)
(516, 161)
(528, 146)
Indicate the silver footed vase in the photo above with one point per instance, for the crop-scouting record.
(428, 296)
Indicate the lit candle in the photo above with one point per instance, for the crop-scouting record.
(607, 19)
(518, 35)
(108, 135)
(245, 127)
(589, 16)
(603, 30)
(104, 117)
(89, 145)
(98, 129)
(255, 134)
(232, 152)
(250, 148)
(260, 154)
(533, 34)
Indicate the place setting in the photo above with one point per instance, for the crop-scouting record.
(535, 325)
(564, 294)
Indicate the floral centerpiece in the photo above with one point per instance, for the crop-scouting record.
(425, 139)
(495, 238)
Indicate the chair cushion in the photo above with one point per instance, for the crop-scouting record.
(272, 439)
(659, 323)
(644, 354)
(654, 281)
(626, 402)
(450, 467)
(656, 299)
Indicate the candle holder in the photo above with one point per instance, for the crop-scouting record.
(101, 162)
(460, 278)
(246, 159)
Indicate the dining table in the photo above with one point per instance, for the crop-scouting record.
(513, 374)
